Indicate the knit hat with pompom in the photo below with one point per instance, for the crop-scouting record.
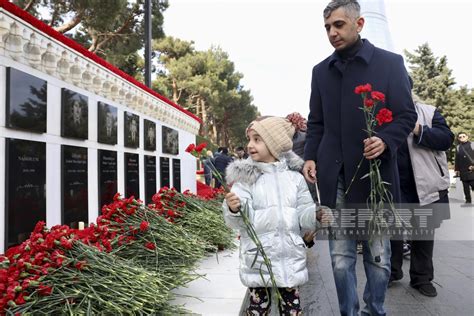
(276, 132)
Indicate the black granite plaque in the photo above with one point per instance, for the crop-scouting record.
(74, 114)
(25, 172)
(132, 176)
(150, 178)
(164, 172)
(132, 130)
(75, 206)
(177, 174)
(149, 131)
(107, 176)
(170, 141)
(26, 98)
(107, 124)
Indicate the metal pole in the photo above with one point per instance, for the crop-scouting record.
(148, 43)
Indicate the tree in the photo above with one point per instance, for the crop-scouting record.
(434, 84)
(206, 83)
(113, 29)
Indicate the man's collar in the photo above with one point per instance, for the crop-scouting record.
(365, 53)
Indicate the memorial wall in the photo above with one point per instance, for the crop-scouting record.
(74, 130)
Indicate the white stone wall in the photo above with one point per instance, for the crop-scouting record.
(62, 67)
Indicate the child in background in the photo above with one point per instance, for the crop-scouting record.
(279, 207)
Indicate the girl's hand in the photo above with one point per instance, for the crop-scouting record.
(309, 236)
(233, 202)
(324, 216)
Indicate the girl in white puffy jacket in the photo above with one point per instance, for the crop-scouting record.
(279, 204)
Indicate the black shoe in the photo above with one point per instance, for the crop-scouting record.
(426, 289)
(393, 279)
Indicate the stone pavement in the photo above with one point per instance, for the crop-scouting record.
(222, 293)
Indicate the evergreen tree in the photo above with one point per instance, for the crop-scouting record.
(113, 29)
(434, 84)
(206, 83)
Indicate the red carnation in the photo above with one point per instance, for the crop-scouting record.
(190, 148)
(80, 265)
(200, 147)
(384, 116)
(45, 290)
(363, 88)
(379, 96)
(369, 103)
(39, 227)
(144, 226)
(66, 243)
(150, 245)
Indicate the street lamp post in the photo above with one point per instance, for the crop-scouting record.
(148, 43)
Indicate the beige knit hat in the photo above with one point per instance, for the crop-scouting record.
(276, 132)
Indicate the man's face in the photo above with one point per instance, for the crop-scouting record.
(463, 138)
(341, 29)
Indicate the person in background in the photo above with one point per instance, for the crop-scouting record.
(299, 139)
(422, 157)
(240, 152)
(208, 167)
(221, 161)
(464, 165)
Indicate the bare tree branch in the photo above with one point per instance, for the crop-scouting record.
(107, 39)
(29, 5)
(71, 24)
(94, 41)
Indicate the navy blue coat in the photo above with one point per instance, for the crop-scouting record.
(336, 124)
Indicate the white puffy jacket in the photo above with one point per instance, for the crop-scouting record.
(279, 206)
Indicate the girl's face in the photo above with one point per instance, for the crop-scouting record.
(257, 148)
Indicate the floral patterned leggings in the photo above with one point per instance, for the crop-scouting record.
(260, 302)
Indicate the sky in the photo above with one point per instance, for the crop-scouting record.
(276, 43)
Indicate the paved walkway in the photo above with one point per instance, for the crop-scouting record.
(222, 293)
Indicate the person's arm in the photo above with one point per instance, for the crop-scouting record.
(315, 124)
(400, 102)
(437, 137)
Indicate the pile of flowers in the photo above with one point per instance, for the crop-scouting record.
(55, 272)
(128, 262)
(206, 192)
(200, 217)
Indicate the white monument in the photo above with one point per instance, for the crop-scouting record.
(376, 25)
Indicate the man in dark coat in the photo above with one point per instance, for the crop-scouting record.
(464, 164)
(221, 162)
(336, 142)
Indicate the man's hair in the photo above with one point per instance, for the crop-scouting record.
(240, 148)
(351, 8)
(460, 133)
